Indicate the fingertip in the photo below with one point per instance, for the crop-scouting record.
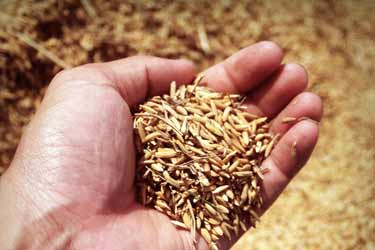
(308, 133)
(288, 157)
(308, 130)
(187, 63)
(267, 53)
(271, 48)
(312, 105)
(297, 74)
(295, 147)
(189, 69)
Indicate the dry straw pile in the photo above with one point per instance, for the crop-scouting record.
(200, 160)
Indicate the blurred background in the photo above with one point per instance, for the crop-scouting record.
(331, 203)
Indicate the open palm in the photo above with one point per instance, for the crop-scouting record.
(70, 185)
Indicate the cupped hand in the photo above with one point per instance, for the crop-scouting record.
(71, 182)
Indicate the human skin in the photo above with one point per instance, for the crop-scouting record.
(71, 182)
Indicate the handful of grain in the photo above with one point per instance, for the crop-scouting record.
(200, 156)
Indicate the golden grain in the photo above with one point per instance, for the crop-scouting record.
(206, 235)
(217, 230)
(222, 209)
(200, 157)
(157, 166)
(172, 91)
(179, 224)
(244, 193)
(289, 119)
(210, 209)
(165, 153)
(220, 189)
(186, 219)
(270, 146)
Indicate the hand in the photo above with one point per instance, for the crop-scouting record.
(70, 185)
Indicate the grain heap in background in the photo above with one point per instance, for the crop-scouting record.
(200, 156)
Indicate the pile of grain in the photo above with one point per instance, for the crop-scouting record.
(200, 160)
